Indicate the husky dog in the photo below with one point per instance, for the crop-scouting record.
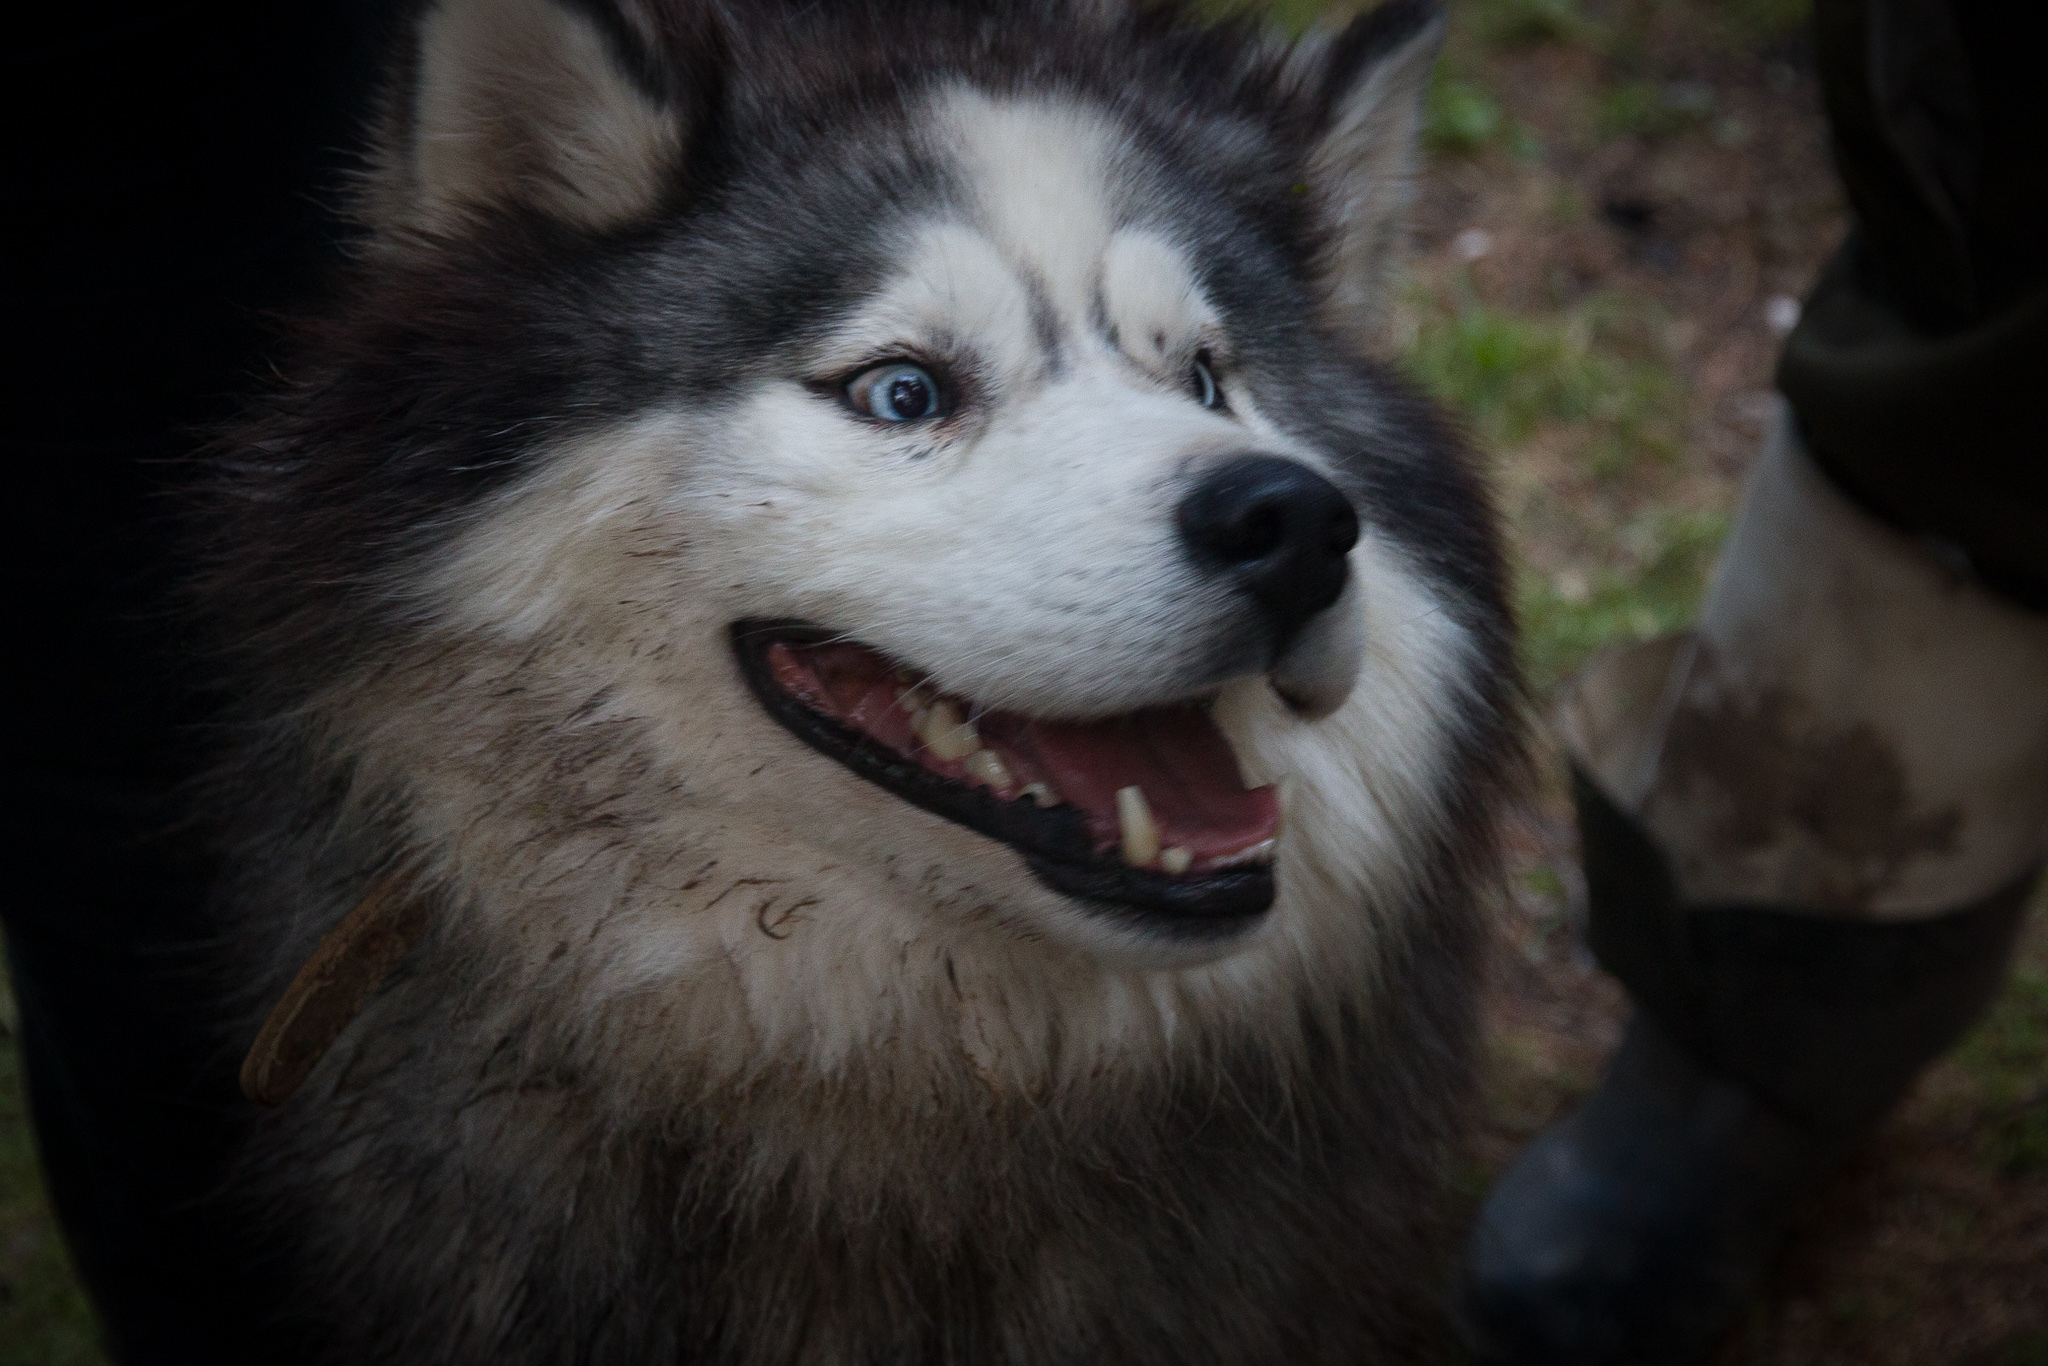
(943, 715)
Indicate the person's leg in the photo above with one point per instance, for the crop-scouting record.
(1809, 830)
(1810, 827)
(1856, 727)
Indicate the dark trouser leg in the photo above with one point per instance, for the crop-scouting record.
(1915, 368)
(1810, 829)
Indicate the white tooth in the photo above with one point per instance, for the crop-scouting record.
(1175, 861)
(913, 698)
(946, 733)
(1040, 794)
(988, 766)
(1251, 856)
(1134, 819)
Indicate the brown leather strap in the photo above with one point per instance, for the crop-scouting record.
(331, 989)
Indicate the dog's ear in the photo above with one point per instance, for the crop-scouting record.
(571, 107)
(1368, 84)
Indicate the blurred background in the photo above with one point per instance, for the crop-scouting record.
(1624, 202)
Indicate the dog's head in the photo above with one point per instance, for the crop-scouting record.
(829, 460)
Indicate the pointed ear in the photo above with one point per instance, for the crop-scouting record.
(1362, 162)
(558, 105)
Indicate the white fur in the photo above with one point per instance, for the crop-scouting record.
(1155, 309)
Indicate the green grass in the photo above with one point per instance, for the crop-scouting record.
(1597, 377)
(1564, 626)
(44, 1317)
(1523, 23)
(1768, 20)
(2007, 1057)
(1653, 109)
(1599, 365)
(1461, 117)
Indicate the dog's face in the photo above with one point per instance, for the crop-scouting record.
(966, 503)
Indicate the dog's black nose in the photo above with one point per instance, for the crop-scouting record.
(1277, 527)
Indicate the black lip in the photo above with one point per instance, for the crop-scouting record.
(1054, 841)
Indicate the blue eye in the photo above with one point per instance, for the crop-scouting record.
(895, 392)
(1202, 382)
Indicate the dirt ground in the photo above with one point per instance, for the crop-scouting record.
(1625, 200)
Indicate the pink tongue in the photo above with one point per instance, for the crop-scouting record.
(1175, 754)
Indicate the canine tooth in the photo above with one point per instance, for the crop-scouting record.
(1134, 819)
(946, 733)
(1175, 861)
(988, 766)
(1040, 794)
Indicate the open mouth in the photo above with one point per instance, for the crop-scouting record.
(1145, 813)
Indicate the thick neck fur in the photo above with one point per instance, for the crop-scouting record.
(466, 1181)
(1226, 1215)
(553, 1139)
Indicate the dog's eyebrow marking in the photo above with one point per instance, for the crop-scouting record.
(1147, 293)
(1045, 318)
(1098, 316)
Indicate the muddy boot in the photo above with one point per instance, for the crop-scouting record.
(1809, 833)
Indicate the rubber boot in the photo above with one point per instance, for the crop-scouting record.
(1765, 1046)
(1769, 812)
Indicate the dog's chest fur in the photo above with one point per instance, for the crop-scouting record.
(1229, 1214)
